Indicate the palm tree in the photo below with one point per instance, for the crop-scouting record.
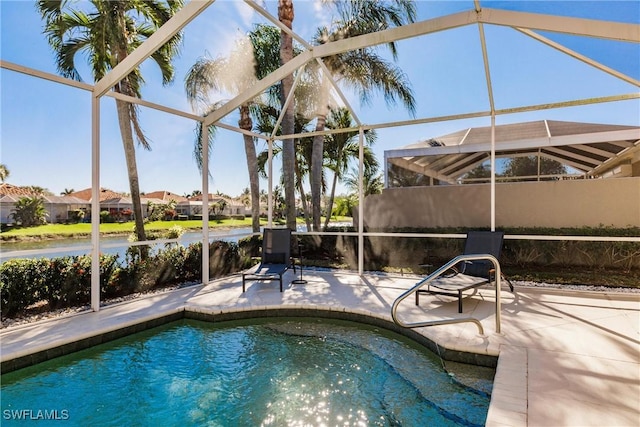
(285, 16)
(340, 148)
(245, 197)
(106, 35)
(4, 173)
(371, 180)
(231, 74)
(67, 191)
(30, 211)
(362, 69)
(359, 17)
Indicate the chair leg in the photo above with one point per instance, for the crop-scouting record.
(509, 282)
(281, 283)
(417, 297)
(459, 301)
(243, 283)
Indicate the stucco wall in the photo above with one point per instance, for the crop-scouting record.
(610, 202)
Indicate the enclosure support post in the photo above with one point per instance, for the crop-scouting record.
(205, 203)
(493, 172)
(270, 190)
(361, 202)
(95, 202)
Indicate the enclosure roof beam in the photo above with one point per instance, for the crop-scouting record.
(580, 57)
(611, 136)
(426, 172)
(562, 24)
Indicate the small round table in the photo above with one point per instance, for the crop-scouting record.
(299, 281)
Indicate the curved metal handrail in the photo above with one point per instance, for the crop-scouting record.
(437, 273)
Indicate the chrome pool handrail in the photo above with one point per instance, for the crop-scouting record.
(436, 274)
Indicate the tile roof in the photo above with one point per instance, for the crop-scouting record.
(105, 194)
(165, 196)
(68, 200)
(214, 198)
(14, 190)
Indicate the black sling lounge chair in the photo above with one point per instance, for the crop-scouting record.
(469, 274)
(276, 257)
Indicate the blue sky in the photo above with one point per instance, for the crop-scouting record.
(45, 127)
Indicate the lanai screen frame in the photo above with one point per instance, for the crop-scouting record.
(524, 22)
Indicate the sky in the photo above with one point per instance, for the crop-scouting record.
(45, 132)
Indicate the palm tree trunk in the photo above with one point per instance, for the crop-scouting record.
(333, 194)
(285, 15)
(303, 197)
(246, 123)
(317, 157)
(132, 167)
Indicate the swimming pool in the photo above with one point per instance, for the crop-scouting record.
(285, 372)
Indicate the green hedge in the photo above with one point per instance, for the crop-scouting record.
(66, 281)
(383, 252)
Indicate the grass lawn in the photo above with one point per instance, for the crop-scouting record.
(117, 228)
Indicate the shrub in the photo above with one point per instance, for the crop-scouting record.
(67, 282)
(171, 265)
(193, 260)
(398, 252)
(224, 258)
(106, 217)
(76, 215)
(21, 282)
(174, 232)
(250, 246)
(61, 282)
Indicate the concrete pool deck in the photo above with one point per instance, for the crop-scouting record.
(566, 358)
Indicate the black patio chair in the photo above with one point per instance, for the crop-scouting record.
(276, 257)
(469, 274)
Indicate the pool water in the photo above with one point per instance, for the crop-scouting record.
(259, 373)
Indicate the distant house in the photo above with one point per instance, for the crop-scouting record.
(218, 205)
(165, 196)
(59, 208)
(122, 207)
(105, 194)
(118, 204)
(189, 208)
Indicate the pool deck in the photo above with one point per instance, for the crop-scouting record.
(566, 358)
